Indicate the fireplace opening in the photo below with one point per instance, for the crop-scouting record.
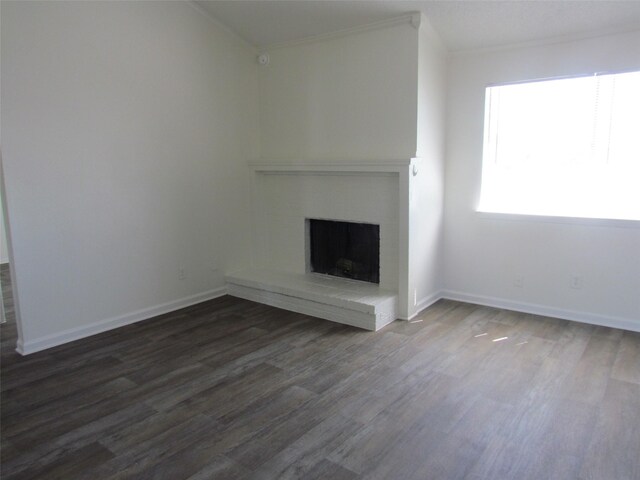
(345, 249)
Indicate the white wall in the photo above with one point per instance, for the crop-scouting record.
(426, 188)
(348, 97)
(4, 251)
(484, 254)
(126, 129)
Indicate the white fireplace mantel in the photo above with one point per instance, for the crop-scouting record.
(332, 166)
(396, 174)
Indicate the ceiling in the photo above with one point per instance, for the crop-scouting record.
(462, 25)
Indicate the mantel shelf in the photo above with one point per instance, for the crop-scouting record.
(334, 165)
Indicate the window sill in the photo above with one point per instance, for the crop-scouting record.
(586, 221)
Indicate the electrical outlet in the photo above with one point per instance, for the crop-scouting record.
(575, 282)
(518, 281)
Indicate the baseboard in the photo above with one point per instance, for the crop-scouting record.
(66, 336)
(49, 341)
(426, 302)
(536, 309)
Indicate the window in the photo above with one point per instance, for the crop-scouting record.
(565, 147)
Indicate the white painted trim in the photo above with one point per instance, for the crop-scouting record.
(404, 226)
(584, 221)
(229, 31)
(547, 41)
(334, 165)
(49, 341)
(423, 304)
(408, 19)
(78, 333)
(416, 20)
(536, 309)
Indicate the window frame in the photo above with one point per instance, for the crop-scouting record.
(487, 214)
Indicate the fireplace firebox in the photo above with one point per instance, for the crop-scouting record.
(344, 249)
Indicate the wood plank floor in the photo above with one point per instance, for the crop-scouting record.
(230, 389)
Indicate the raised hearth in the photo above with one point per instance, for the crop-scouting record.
(363, 305)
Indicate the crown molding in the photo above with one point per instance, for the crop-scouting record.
(414, 19)
(556, 40)
(232, 33)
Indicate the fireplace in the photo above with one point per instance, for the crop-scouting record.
(344, 249)
(384, 195)
(354, 271)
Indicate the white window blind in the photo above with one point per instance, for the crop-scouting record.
(565, 147)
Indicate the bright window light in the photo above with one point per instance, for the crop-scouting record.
(566, 147)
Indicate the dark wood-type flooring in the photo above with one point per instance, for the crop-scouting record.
(231, 389)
